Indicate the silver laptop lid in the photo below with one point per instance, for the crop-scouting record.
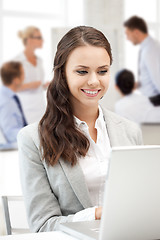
(131, 207)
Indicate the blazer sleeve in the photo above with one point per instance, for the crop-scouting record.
(139, 137)
(43, 210)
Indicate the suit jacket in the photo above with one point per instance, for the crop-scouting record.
(54, 194)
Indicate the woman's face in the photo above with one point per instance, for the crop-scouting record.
(36, 40)
(87, 73)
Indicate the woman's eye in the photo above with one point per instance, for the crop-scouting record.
(82, 72)
(103, 72)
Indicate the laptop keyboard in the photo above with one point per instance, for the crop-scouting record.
(95, 230)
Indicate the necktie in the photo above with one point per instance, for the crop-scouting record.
(20, 108)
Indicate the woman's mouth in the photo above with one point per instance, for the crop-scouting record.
(90, 92)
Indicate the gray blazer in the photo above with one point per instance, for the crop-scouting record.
(54, 194)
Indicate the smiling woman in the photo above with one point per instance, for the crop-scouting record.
(87, 74)
(64, 159)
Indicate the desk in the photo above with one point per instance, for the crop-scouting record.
(56, 235)
(9, 178)
(9, 173)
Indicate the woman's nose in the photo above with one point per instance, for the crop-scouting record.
(93, 79)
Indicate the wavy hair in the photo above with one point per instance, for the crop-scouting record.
(59, 135)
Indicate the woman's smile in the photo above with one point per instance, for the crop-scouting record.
(91, 92)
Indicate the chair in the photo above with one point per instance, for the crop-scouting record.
(2, 137)
(14, 215)
(4, 145)
(151, 133)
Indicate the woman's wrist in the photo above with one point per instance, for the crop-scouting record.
(98, 213)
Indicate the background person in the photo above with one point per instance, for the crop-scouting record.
(133, 105)
(12, 118)
(31, 92)
(149, 58)
(64, 158)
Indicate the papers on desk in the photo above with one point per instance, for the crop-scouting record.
(56, 235)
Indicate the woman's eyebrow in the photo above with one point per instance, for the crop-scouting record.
(82, 66)
(88, 67)
(104, 66)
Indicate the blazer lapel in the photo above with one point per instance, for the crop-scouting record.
(114, 128)
(77, 181)
(75, 175)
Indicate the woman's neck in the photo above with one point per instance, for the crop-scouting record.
(29, 53)
(88, 115)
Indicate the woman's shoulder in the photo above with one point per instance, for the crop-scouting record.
(20, 57)
(39, 60)
(29, 134)
(123, 127)
(114, 117)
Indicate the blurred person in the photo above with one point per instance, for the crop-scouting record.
(149, 58)
(31, 92)
(12, 118)
(64, 159)
(133, 105)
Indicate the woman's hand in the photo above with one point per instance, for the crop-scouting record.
(98, 213)
(45, 85)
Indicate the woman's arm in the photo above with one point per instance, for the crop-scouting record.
(43, 210)
(31, 85)
(44, 205)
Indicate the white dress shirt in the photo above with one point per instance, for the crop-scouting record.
(33, 100)
(149, 67)
(94, 165)
(138, 108)
(11, 120)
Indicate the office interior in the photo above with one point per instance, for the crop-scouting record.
(54, 19)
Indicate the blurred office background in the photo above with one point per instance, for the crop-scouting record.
(54, 18)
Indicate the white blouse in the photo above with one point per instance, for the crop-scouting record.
(33, 100)
(94, 165)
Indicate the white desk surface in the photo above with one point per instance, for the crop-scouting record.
(9, 173)
(56, 235)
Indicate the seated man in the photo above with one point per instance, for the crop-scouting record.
(12, 118)
(133, 105)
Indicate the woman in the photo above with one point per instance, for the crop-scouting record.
(64, 160)
(31, 92)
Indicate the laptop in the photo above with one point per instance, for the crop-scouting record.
(131, 205)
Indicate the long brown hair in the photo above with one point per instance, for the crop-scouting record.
(59, 136)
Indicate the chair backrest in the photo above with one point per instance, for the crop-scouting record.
(14, 215)
(2, 137)
(151, 133)
(5, 145)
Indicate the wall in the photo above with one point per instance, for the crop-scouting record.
(106, 16)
